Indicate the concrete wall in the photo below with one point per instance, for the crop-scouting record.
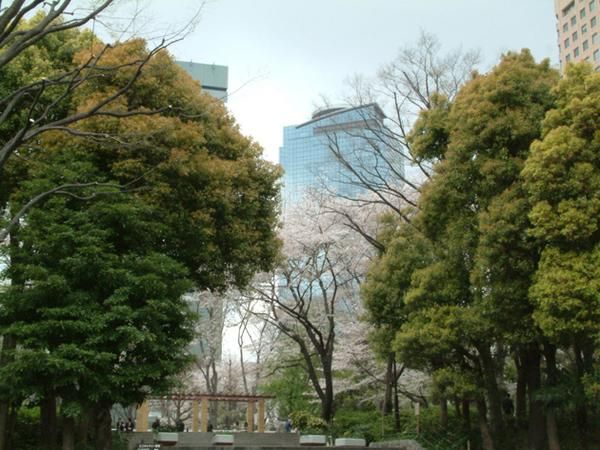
(257, 441)
(400, 444)
(190, 440)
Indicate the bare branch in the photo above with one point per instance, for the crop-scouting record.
(63, 189)
(14, 41)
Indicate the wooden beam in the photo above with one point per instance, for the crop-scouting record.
(215, 397)
(141, 416)
(250, 416)
(261, 415)
(204, 415)
(195, 415)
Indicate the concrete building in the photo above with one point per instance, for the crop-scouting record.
(212, 78)
(309, 162)
(578, 29)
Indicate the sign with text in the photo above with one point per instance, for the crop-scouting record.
(148, 447)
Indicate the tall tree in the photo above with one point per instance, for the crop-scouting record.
(562, 178)
(102, 320)
(473, 212)
(384, 293)
(491, 124)
(313, 287)
(206, 213)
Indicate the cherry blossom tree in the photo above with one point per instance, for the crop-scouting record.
(313, 289)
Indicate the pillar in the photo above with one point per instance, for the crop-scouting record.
(204, 414)
(250, 416)
(195, 415)
(141, 417)
(261, 415)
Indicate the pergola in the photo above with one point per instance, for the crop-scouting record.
(200, 405)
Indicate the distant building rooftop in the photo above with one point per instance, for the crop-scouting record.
(212, 77)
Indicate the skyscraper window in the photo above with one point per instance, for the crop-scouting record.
(308, 155)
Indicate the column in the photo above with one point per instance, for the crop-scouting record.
(141, 417)
(261, 415)
(195, 415)
(250, 416)
(204, 414)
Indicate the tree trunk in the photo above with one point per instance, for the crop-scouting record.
(466, 414)
(9, 343)
(213, 412)
(103, 429)
(388, 405)
(48, 422)
(327, 405)
(551, 380)
(520, 396)
(85, 432)
(537, 423)
(493, 393)
(552, 430)
(12, 420)
(444, 412)
(456, 406)
(68, 433)
(486, 436)
(581, 415)
(396, 400)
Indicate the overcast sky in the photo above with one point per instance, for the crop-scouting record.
(283, 55)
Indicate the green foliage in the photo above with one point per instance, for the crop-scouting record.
(592, 384)
(562, 178)
(388, 281)
(307, 422)
(100, 314)
(566, 290)
(167, 428)
(98, 274)
(291, 388)
(429, 135)
(502, 256)
(472, 211)
(50, 57)
(119, 441)
(26, 433)
(374, 427)
(369, 425)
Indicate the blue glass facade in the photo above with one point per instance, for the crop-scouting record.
(309, 162)
(213, 78)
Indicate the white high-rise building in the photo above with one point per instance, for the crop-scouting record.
(578, 30)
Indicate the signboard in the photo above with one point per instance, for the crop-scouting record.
(148, 447)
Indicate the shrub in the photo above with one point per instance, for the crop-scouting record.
(26, 432)
(306, 422)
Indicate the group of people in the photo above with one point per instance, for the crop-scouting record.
(125, 425)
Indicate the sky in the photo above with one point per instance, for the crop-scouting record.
(285, 56)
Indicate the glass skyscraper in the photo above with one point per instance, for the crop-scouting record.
(308, 155)
(213, 78)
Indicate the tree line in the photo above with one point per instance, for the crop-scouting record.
(491, 285)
